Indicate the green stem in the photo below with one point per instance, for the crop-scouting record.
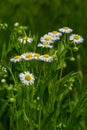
(11, 108)
(12, 75)
(39, 121)
(58, 103)
(17, 125)
(61, 71)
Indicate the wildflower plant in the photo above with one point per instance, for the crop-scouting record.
(41, 90)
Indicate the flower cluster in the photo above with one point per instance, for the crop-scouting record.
(46, 41)
(32, 56)
(49, 38)
(73, 37)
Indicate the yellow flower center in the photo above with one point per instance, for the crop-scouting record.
(45, 44)
(55, 32)
(27, 77)
(37, 54)
(16, 57)
(25, 38)
(48, 38)
(29, 56)
(65, 28)
(46, 56)
(76, 37)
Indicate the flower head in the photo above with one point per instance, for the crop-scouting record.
(16, 58)
(3, 80)
(25, 40)
(55, 33)
(36, 56)
(76, 38)
(65, 30)
(47, 39)
(26, 78)
(44, 45)
(16, 24)
(46, 58)
(27, 56)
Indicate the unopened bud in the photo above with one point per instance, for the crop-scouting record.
(71, 80)
(75, 48)
(72, 59)
(12, 100)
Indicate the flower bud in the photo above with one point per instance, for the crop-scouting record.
(72, 59)
(71, 80)
(12, 100)
(75, 48)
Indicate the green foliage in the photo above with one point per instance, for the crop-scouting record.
(57, 100)
(46, 15)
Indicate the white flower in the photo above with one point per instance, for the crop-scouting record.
(36, 56)
(76, 38)
(44, 45)
(65, 30)
(38, 98)
(55, 38)
(16, 58)
(47, 39)
(46, 57)
(16, 24)
(25, 39)
(27, 56)
(55, 33)
(3, 80)
(26, 78)
(4, 69)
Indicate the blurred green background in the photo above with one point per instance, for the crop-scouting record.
(43, 16)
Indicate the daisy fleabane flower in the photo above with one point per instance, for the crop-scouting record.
(3, 80)
(44, 45)
(55, 33)
(65, 30)
(47, 39)
(27, 56)
(25, 40)
(27, 78)
(36, 56)
(16, 24)
(46, 58)
(16, 58)
(76, 38)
